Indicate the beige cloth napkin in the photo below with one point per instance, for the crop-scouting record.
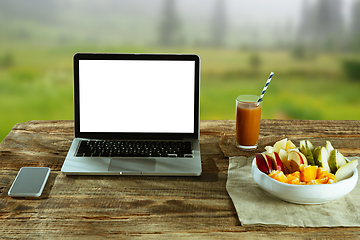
(255, 207)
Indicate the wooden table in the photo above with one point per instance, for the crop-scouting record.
(148, 207)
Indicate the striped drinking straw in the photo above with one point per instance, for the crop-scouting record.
(264, 89)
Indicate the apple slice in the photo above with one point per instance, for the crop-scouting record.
(284, 158)
(304, 159)
(279, 163)
(270, 149)
(283, 155)
(276, 161)
(269, 162)
(295, 161)
(261, 163)
(290, 145)
(293, 150)
(280, 144)
(346, 170)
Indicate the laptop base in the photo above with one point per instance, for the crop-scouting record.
(146, 166)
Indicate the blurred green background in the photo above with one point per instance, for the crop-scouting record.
(312, 46)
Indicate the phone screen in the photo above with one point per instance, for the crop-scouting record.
(29, 182)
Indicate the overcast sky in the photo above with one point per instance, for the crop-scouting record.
(245, 18)
(257, 11)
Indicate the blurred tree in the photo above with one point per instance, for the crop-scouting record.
(329, 28)
(306, 27)
(355, 25)
(303, 49)
(7, 60)
(218, 24)
(170, 25)
(351, 66)
(321, 27)
(255, 62)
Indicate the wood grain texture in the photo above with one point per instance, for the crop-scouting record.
(94, 207)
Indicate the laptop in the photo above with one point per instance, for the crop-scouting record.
(135, 114)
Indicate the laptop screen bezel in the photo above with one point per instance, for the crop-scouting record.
(130, 135)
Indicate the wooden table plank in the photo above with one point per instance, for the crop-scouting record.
(147, 207)
(344, 135)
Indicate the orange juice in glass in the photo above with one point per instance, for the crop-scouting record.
(248, 116)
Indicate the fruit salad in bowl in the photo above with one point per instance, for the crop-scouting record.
(304, 175)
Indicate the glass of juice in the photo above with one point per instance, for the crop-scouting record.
(248, 116)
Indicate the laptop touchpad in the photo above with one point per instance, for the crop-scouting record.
(132, 164)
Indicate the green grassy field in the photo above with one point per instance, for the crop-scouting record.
(37, 85)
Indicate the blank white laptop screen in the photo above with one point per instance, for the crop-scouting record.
(136, 96)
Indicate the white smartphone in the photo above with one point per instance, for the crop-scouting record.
(29, 182)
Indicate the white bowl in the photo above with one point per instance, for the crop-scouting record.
(304, 194)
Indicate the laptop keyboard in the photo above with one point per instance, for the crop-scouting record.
(105, 148)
